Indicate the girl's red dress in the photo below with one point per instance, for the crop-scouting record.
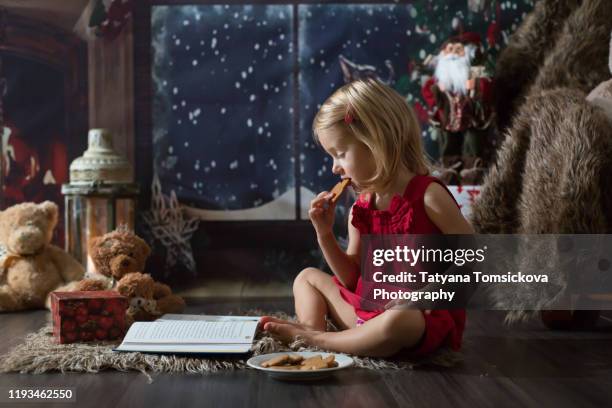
(406, 215)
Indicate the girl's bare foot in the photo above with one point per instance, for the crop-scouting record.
(267, 319)
(284, 330)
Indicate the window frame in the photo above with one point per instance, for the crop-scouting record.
(290, 234)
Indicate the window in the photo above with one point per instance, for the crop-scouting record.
(236, 88)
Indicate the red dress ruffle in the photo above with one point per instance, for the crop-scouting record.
(406, 215)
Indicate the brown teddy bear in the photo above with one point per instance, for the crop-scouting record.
(118, 253)
(148, 299)
(120, 257)
(30, 267)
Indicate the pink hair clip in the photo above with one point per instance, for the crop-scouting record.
(348, 118)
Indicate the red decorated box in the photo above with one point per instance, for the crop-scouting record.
(88, 316)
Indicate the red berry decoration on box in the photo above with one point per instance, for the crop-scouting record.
(81, 310)
(68, 325)
(95, 305)
(66, 310)
(88, 316)
(101, 334)
(86, 336)
(110, 309)
(81, 319)
(69, 337)
(105, 322)
(114, 333)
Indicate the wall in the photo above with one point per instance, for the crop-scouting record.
(111, 88)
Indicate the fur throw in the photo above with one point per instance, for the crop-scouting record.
(552, 170)
(517, 65)
(579, 61)
(567, 168)
(551, 177)
(568, 61)
(560, 44)
(548, 161)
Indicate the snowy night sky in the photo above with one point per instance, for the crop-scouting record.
(223, 114)
(224, 132)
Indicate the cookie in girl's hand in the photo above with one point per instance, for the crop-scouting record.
(339, 189)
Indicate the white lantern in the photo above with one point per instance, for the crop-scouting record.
(101, 195)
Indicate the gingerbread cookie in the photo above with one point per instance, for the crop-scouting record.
(297, 362)
(276, 361)
(314, 363)
(339, 189)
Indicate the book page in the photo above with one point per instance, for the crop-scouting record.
(175, 317)
(185, 348)
(191, 332)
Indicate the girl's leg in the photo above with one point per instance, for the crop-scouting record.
(382, 336)
(316, 295)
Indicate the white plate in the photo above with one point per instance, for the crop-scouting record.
(343, 361)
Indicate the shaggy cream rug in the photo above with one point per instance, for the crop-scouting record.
(40, 354)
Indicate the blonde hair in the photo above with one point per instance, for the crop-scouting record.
(380, 118)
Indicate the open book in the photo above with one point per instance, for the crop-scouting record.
(199, 334)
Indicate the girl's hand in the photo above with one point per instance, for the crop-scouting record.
(322, 212)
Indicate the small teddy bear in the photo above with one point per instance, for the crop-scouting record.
(120, 257)
(148, 299)
(30, 267)
(118, 253)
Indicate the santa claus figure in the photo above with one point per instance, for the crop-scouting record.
(459, 100)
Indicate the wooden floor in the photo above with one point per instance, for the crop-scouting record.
(522, 366)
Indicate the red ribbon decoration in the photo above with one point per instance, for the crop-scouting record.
(348, 118)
